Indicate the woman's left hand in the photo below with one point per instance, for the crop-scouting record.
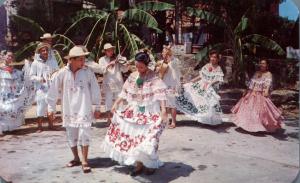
(266, 94)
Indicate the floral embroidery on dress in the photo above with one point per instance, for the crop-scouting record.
(124, 142)
(200, 100)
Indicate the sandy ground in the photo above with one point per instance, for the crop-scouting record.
(192, 153)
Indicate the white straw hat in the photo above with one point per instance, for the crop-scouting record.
(76, 51)
(107, 46)
(47, 36)
(42, 45)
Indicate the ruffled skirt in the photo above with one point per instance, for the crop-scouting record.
(12, 108)
(200, 104)
(134, 136)
(254, 113)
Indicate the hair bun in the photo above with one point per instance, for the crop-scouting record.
(143, 56)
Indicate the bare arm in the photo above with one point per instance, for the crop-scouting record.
(116, 104)
(196, 79)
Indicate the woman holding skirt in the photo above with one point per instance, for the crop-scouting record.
(133, 136)
(199, 99)
(255, 111)
(15, 95)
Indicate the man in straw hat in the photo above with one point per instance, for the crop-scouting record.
(48, 39)
(112, 76)
(41, 69)
(80, 90)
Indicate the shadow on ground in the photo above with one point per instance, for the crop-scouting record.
(167, 173)
(100, 125)
(280, 134)
(222, 128)
(33, 129)
(101, 162)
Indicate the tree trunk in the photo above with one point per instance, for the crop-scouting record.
(177, 19)
(160, 16)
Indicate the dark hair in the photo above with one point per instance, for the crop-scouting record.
(266, 60)
(143, 57)
(211, 52)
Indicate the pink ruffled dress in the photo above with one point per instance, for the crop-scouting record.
(254, 112)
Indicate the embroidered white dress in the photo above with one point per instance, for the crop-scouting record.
(41, 70)
(136, 127)
(26, 67)
(200, 100)
(15, 98)
(172, 80)
(112, 80)
(79, 93)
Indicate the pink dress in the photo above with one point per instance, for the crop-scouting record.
(255, 112)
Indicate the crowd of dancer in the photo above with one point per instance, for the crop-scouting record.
(137, 106)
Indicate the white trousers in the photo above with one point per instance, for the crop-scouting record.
(78, 136)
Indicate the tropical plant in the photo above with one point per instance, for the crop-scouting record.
(62, 42)
(122, 28)
(238, 42)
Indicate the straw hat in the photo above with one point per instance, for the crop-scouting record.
(42, 45)
(76, 51)
(107, 46)
(47, 36)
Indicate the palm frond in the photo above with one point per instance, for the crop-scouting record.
(26, 51)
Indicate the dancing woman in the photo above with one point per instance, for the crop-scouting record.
(170, 74)
(199, 99)
(15, 95)
(255, 111)
(133, 136)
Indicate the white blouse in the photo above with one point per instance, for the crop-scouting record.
(79, 92)
(41, 69)
(112, 77)
(172, 76)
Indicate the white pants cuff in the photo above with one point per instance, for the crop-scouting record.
(78, 136)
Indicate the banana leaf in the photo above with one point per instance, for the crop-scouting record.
(265, 42)
(154, 6)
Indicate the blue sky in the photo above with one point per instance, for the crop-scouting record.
(289, 9)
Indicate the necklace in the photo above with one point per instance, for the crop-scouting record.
(140, 80)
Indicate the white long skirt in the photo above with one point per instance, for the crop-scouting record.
(200, 104)
(134, 136)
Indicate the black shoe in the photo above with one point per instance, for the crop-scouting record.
(136, 172)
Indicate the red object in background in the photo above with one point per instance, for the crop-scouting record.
(8, 69)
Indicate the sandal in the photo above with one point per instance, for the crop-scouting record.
(86, 168)
(73, 163)
(172, 126)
